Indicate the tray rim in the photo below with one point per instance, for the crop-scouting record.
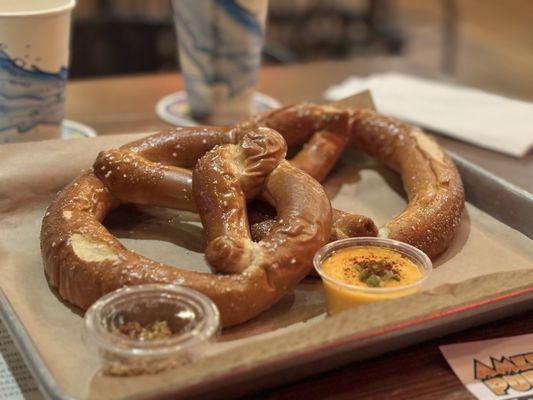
(29, 352)
(359, 340)
(51, 389)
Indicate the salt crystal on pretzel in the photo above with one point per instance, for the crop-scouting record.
(84, 261)
(430, 178)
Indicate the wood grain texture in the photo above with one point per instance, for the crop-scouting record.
(494, 41)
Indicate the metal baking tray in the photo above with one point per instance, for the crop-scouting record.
(507, 203)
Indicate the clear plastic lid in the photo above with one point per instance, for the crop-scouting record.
(150, 322)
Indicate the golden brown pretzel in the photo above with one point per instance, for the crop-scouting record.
(432, 183)
(153, 171)
(84, 261)
(430, 178)
(344, 225)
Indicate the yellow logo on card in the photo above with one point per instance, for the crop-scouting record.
(514, 372)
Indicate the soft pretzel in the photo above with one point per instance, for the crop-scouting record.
(430, 178)
(84, 261)
(153, 171)
(344, 225)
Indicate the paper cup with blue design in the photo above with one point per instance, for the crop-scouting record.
(34, 55)
(220, 44)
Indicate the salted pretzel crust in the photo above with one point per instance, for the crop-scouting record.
(84, 261)
(216, 171)
(430, 178)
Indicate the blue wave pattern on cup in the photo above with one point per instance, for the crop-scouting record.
(29, 96)
(220, 45)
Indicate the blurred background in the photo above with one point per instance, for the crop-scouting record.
(486, 43)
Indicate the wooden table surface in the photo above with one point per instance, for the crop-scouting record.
(127, 104)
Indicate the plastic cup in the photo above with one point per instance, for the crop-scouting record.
(220, 46)
(34, 55)
(341, 296)
(193, 319)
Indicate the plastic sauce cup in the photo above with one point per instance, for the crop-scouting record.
(192, 317)
(341, 296)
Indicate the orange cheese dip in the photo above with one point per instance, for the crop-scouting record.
(373, 273)
(387, 266)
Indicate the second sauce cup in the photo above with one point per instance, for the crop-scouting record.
(362, 270)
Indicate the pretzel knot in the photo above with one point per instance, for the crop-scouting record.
(430, 178)
(230, 167)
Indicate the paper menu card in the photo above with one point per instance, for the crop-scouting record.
(496, 369)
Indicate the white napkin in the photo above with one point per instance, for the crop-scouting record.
(487, 120)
